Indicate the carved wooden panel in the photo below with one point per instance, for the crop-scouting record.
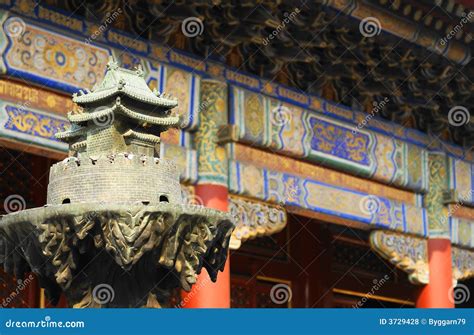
(273, 293)
(260, 292)
(241, 295)
(275, 246)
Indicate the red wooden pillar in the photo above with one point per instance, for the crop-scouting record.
(212, 188)
(436, 293)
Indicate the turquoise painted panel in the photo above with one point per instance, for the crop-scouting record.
(31, 126)
(461, 180)
(462, 231)
(292, 190)
(291, 130)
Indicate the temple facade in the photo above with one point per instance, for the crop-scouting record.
(337, 134)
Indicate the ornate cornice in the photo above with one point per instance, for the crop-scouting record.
(410, 254)
(254, 219)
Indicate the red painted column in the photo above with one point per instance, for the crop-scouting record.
(436, 293)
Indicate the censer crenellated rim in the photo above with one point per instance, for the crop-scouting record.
(81, 209)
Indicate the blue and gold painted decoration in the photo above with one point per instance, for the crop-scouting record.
(292, 190)
(122, 39)
(337, 111)
(46, 57)
(63, 62)
(212, 157)
(185, 159)
(291, 130)
(31, 126)
(462, 231)
(67, 63)
(434, 202)
(461, 181)
(72, 39)
(185, 86)
(331, 138)
(335, 143)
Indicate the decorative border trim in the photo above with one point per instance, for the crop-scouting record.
(292, 190)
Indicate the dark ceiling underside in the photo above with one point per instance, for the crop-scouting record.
(320, 51)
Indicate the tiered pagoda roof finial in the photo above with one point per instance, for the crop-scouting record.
(121, 113)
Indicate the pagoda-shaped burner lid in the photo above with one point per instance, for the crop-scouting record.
(121, 114)
(121, 81)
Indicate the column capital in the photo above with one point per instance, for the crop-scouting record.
(437, 212)
(213, 114)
